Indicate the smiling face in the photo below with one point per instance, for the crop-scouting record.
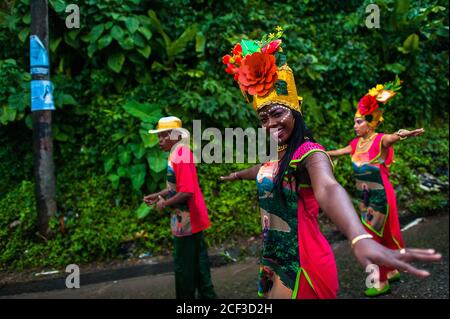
(361, 127)
(278, 118)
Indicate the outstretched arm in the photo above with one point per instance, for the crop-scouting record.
(391, 139)
(342, 151)
(248, 174)
(335, 202)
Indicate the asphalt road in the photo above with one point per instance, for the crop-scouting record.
(238, 280)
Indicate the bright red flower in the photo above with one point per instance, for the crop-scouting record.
(231, 69)
(258, 73)
(271, 47)
(367, 105)
(237, 50)
(226, 59)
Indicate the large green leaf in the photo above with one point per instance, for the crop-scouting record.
(126, 43)
(145, 52)
(58, 135)
(148, 139)
(144, 111)
(108, 164)
(124, 156)
(71, 38)
(139, 40)
(24, 34)
(180, 44)
(117, 33)
(137, 175)
(396, 68)
(54, 44)
(411, 43)
(115, 62)
(96, 32)
(7, 114)
(104, 41)
(68, 99)
(132, 24)
(118, 135)
(157, 160)
(145, 32)
(157, 25)
(27, 18)
(143, 211)
(200, 41)
(249, 47)
(114, 180)
(58, 5)
(138, 150)
(402, 7)
(122, 171)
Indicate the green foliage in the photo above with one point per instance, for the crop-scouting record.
(425, 154)
(18, 220)
(14, 92)
(232, 206)
(97, 224)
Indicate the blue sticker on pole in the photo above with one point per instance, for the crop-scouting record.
(38, 56)
(41, 95)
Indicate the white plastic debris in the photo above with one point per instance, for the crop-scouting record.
(413, 223)
(46, 273)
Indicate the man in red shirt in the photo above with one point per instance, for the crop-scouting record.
(189, 214)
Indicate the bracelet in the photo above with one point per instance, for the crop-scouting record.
(358, 238)
(236, 176)
(401, 137)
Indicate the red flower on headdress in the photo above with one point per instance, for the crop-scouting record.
(226, 59)
(258, 73)
(271, 47)
(367, 105)
(237, 50)
(233, 62)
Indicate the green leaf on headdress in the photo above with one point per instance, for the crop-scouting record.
(395, 85)
(249, 47)
(280, 58)
(281, 87)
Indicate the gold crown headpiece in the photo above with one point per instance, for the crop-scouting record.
(261, 71)
(369, 108)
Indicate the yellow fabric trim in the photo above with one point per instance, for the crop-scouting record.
(291, 100)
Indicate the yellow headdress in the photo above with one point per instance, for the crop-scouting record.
(261, 71)
(369, 108)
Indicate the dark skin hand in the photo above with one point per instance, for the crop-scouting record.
(336, 203)
(153, 198)
(247, 174)
(178, 198)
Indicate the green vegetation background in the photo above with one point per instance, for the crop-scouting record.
(133, 61)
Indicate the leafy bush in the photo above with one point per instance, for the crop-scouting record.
(232, 206)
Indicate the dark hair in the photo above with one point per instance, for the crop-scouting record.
(299, 135)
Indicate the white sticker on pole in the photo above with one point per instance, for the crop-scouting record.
(38, 56)
(41, 95)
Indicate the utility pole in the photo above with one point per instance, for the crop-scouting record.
(41, 107)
